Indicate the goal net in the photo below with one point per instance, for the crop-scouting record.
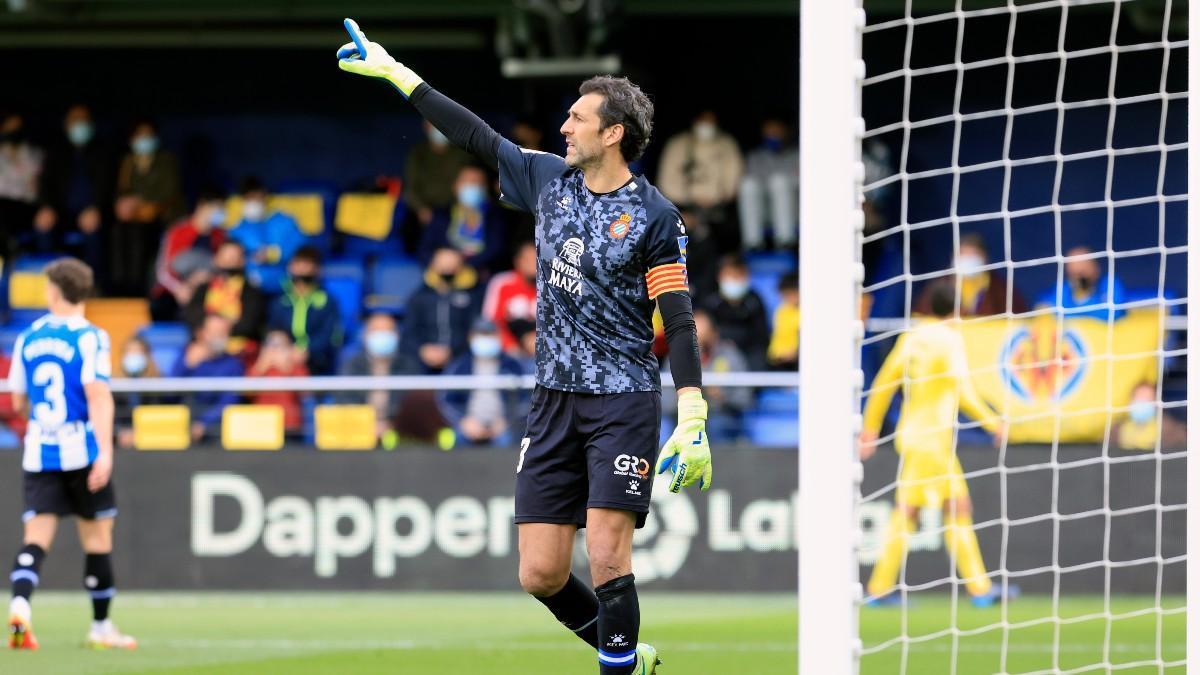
(1026, 162)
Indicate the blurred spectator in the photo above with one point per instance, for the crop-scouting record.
(12, 423)
(20, 168)
(185, 258)
(738, 312)
(527, 134)
(1145, 427)
(148, 195)
(512, 295)
(441, 311)
(308, 314)
(380, 356)
(270, 237)
(75, 193)
(783, 352)
(231, 295)
(701, 170)
(524, 331)
(136, 363)
(984, 292)
(483, 416)
(429, 173)
(472, 225)
(279, 358)
(770, 190)
(206, 356)
(725, 404)
(1086, 290)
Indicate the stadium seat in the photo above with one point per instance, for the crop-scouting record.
(365, 215)
(162, 427)
(780, 401)
(778, 263)
(345, 427)
(252, 427)
(8, 336)
(766, 284)
(308, 210)
(775, 430)
(167, 340)
(348, 293)
(393, 281)
(122, 318)
(27, 290)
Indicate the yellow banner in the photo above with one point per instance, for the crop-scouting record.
(1064, 386)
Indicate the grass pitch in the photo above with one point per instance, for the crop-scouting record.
(503, 634)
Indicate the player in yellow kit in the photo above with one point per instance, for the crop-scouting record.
(930, 363)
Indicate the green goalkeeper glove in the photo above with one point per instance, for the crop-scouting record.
(369, 58)
(686, 454)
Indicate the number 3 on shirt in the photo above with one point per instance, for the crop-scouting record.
(524, 447)
(51, 411)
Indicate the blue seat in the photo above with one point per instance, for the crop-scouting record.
(766, 284)
(167, 340)
(8, 336)
(775, 430)
(393, 281)
(780, 401)
(348, 292)
(775, 262)
(32, 263)
(24, 317)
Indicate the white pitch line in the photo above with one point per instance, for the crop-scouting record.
(406, 645)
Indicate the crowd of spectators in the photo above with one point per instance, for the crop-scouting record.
(247, 282)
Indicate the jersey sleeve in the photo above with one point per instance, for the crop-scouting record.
(666, 254)
(887, 381)
(16, 370)
(97, 358)
(523, 174)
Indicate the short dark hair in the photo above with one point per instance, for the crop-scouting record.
(942, 300)
(251, 184)
(625, 104)
(732, 261)
(210, 193)
(308, 254)
(790, 282)
(72, 277)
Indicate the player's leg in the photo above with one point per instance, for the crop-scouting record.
(961, 542)
(909, 497)
(39, 534)
(545, 573)
(622, 432)
(97, 513)
(550, 507)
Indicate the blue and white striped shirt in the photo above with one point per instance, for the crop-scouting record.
(53, 360)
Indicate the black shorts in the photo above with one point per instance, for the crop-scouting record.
(65, 493)
(587, 451)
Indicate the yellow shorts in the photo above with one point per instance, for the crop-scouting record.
(928, 479)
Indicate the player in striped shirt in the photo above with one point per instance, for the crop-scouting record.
(609, 248)
(59, 375)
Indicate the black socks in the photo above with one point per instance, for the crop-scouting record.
(620, 617)
(98, 580)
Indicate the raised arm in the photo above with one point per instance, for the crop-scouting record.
(463, 127)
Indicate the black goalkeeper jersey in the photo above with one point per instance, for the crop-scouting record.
(602, 260)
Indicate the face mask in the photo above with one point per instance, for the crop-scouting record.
(381, 343)
(306, 279)
(472, 195)
(448, 277)
(218, 344)
(1084, 284)
(231, 271)
(970, 265)
(217, 217)
(705, 131)
(773, 144)
(79, 133)
(144, 145)
(254, 210)
(735, 289)
(437, 137)
(485, 346)
(1142, 411)
(134, 363)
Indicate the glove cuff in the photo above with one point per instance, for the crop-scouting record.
(692, 406)
(403, 78)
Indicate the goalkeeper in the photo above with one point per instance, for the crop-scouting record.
(931, 362)
(609, 246)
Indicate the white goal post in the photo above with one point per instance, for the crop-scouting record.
(832, 177)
